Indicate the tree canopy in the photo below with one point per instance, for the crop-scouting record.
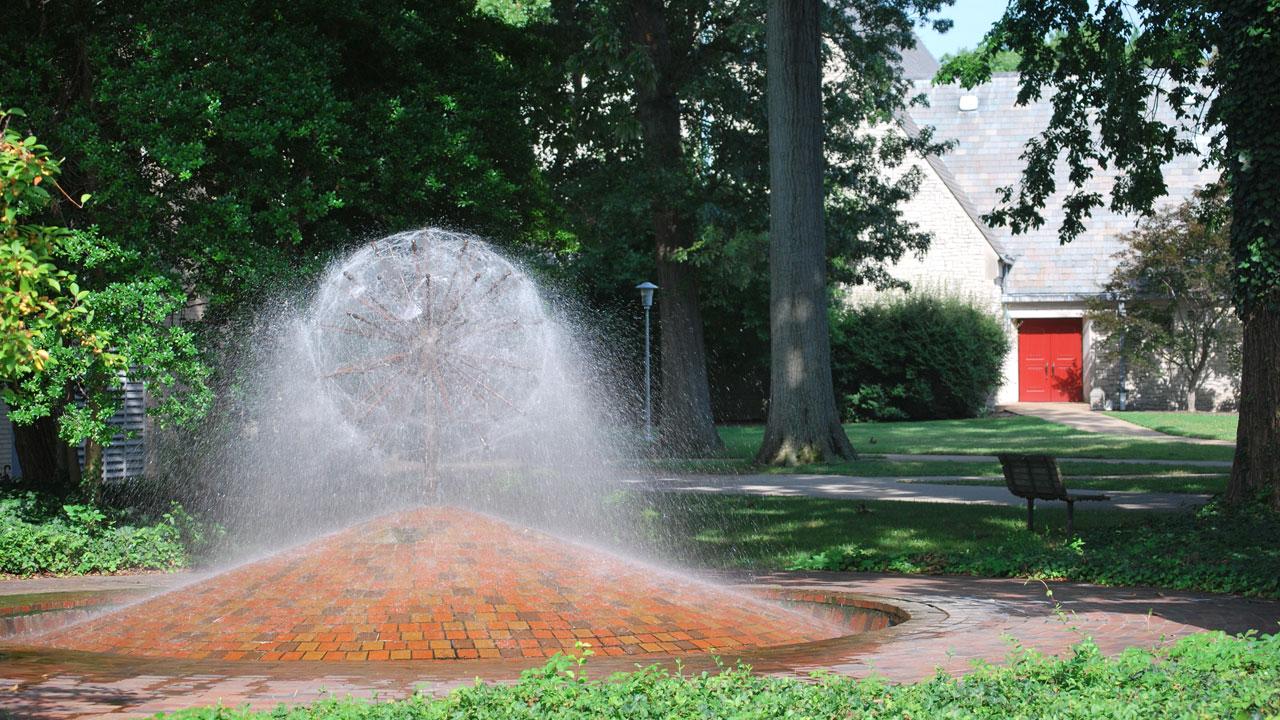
(230, 152)
(607, 185)
(1168, 302)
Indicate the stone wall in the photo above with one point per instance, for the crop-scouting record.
(959, 261)
(1151, 389)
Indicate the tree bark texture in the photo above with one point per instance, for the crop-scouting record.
(1249, 101)
(686, 424)
(1256, 470)
(804, 423)
(47, 462)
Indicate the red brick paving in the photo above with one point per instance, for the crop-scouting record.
(439, 584)
(954, 622)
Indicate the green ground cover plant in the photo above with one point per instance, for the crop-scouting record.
(1210, 550)
(1200, 676)
(988, 436)
(1207, 426)
(41, 536)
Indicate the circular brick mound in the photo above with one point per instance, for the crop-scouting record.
(441, 584)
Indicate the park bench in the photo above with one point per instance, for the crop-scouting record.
(1036, 477)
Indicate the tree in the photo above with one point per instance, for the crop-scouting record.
(1209, 68)
(972, 62)
(37, 298)
(67, 350)
(232, 152)
(1169, 300)
(700, 65)
(804, 424)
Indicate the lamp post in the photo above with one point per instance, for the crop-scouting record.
(1122, 394)
(646, 299)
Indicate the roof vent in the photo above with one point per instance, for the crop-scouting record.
(968, 103)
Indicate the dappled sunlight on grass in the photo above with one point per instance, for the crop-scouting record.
(1211, 550)
(988, 436)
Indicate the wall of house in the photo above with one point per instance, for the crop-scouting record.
(1147, 389)
(1161, 389)
(124, 458)
(959, 261)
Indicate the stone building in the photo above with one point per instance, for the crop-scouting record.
(1037, 286)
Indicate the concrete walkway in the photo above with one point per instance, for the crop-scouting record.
(915, 489)
(1224, 464)
(135, 582)
(1079, 416)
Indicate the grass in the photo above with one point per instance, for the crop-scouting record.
(1211, 484)
(988, 436)
(1206, 426)
(1208, 550)
(1081, 474)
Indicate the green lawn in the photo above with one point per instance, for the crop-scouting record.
(1208, 426)
(1208, 550)
(1081, 474)
(987, 436)
(1198, 484)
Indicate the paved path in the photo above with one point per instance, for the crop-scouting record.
(1079, 416)
(1105, 461)
(915, 489)
(139, 582)
(955, 621)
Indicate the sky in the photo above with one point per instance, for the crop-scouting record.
(972, 20)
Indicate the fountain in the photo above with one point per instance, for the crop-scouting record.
(432, 345)
(435, 369)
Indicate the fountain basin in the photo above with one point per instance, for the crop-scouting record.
(443, 584)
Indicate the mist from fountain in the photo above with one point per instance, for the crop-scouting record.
(403, 428)
(425, 367)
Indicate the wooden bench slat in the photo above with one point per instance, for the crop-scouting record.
(1037, 477)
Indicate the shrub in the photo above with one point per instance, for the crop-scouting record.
(918, 356)
(1202, 676)
(39, 536)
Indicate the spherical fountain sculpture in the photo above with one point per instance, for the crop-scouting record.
(431, 344)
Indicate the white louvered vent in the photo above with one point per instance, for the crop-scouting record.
(126, 456)
(6, 437)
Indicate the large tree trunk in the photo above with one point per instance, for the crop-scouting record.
(1257, 462)
(1249, 103)
(48, 463)
(804, 424)
(686, 424)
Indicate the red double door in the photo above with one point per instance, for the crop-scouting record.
(1050, 360)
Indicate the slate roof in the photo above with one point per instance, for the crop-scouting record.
(918, 63)
(990, 141)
